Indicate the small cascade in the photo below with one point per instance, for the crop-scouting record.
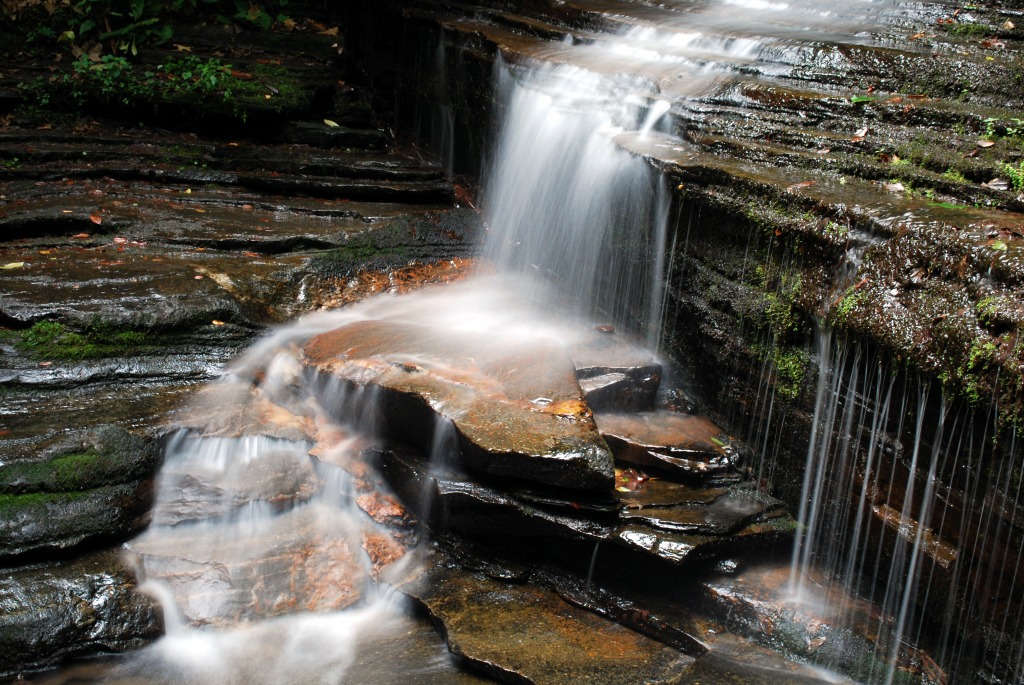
(566, 204)
(891, 467)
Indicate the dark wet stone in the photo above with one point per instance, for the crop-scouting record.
(522, 633)
(620, 391)
(106, 456)
(682, 445)
(95, 488)
(319, 134)
(615, 373)
(722, 516)
(732, 523)
(486, 387)
(52, 612)
(56, 522)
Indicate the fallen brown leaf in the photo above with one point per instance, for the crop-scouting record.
(801, 184)
(997, 184)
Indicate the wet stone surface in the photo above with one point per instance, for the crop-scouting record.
(680, 525)
(688, 447)
(518, 412)
(54, 611)
(91, 488)
(524, 633)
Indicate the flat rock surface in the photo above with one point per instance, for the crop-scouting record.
(518, 411)
(523, 633)
(681, 444)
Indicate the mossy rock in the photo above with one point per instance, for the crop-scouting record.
(86, 490)
(109, 456)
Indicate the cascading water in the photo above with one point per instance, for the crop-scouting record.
(252, 537)
(565, 203)
(890, 468)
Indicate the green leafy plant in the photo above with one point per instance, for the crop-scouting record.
(194, 74)
(1015, 174)
(952, 174)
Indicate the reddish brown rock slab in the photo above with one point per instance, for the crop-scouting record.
(655, 492)
(301, 560)
(678, 444)
(518, 410)
(527, 634)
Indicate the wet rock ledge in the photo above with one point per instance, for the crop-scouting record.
(541, 567)
(846, 201)
(142, 247)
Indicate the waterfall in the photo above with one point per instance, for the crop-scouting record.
(259, 530)
(891, 467)
(564, 203)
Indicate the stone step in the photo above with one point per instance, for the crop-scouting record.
(518, 412)
(680, 446)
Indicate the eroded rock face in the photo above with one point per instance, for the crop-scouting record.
(678, 525)
(97, 486)
(52, 612)
(518, 411)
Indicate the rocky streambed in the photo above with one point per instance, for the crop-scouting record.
(137, 260)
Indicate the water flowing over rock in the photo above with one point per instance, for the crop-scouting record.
(518, 410)
(739, 247)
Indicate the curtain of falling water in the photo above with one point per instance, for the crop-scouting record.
(566, 204)
(888, 470)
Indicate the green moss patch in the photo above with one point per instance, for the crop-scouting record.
(54, 340)
(110, 456)
(13, 505)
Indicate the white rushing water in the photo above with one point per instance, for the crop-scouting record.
(876, 477)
